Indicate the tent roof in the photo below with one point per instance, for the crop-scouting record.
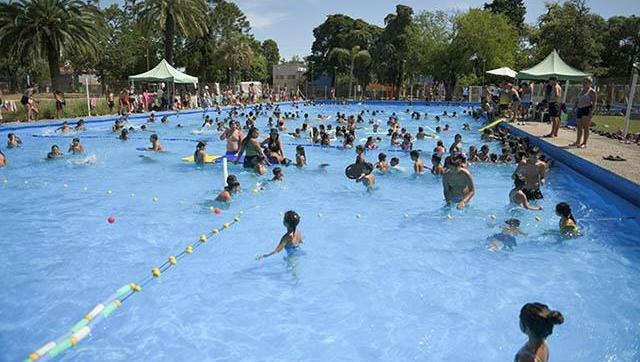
(164, 72)
(504, 71)
(552, 65)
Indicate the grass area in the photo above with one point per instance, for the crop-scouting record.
(613, 123)
(76, 107)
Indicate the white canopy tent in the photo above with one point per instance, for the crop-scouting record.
(504, 72)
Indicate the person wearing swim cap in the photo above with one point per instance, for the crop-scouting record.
(457, 182)
(537, 321)
(292, 239)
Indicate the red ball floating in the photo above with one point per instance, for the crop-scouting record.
(111, 219)
(217, 211)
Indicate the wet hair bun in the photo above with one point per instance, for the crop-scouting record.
(555, 317)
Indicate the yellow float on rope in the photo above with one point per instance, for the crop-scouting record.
(203, 238)
(189, 249)
(155, 272)
(215, 231)
(225, 225)
(172, 260)
(236, 219)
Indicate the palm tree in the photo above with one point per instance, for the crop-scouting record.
(48, 28)
(342, 56)
(186, 17)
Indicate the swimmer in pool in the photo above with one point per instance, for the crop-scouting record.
(232, 187)
(382, 163)
(506, 239)
(301, 158)
(234, 137)
(251, 146)
(418, 165)
(367, 178)
(76, 147)
(292, 239)
(55, 152)
(80, 126)
(518, 197)
(436, 165)
(3, 159)
(64, 128)
(568, 223)
(152, 117)
(278, 175)
(457, 183)
(124, 135)
(13, 140)
(360, 154)
(537, 321)
(156, 146)
(200, 154)
(533, 171)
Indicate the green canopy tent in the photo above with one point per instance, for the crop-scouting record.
(164, 72)
(552, 65)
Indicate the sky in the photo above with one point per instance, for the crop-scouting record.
(290, 22)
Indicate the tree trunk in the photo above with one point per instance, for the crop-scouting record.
(450, 86)
(54, 68)
(353, 60)
(169, 32)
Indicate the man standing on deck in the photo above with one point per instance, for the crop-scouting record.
(554, 99)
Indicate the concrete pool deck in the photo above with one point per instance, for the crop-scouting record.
(597, 148)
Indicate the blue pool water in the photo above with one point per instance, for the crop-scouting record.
(383, 276)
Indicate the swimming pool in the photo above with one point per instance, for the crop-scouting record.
(383, 276)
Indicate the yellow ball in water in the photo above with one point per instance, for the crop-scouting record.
(538, 218)
(319, 214)
(211, 208)
(255, 191)
(492, 216)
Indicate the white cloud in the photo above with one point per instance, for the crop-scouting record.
(263, 20)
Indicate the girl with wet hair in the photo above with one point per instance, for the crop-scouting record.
(537, 321)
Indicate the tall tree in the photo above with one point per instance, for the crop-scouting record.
(623, 45)
(391, 50)
(574, 32)
(272, 56)
(350, 57)
(48, 28)
(183, 17)
(514, 10)
(339, 31)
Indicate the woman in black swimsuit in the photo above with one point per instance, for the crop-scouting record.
(274, 148)
(253, 150)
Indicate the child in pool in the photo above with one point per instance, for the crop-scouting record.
(232, 187)
(437, 168)
(301, 158)
(367, 178)
(259, 166)
(200, 154)
(278, 175)
(440, 149)
(292, 239)
(76, 147)
(421, 134)
(155, 144)
(360, 154)
(518, 197)
(418, 165)
(55, 152)
(64, 128)
(13, 140)
(507, 238)
(382, 163)
(537, 321)
(407, 143)
(568, 223)
(3, 159)
(80, 126)
(124, 135)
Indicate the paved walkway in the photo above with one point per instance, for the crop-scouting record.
(598, 147)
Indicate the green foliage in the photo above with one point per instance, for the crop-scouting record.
(339, 31)
(622, 45)
(49, 29)
(574, 32)
(182, 17)
(514, 10)
(271, 54)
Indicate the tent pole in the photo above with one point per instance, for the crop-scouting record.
(632, 91)
(86, 86)
(566, 90)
